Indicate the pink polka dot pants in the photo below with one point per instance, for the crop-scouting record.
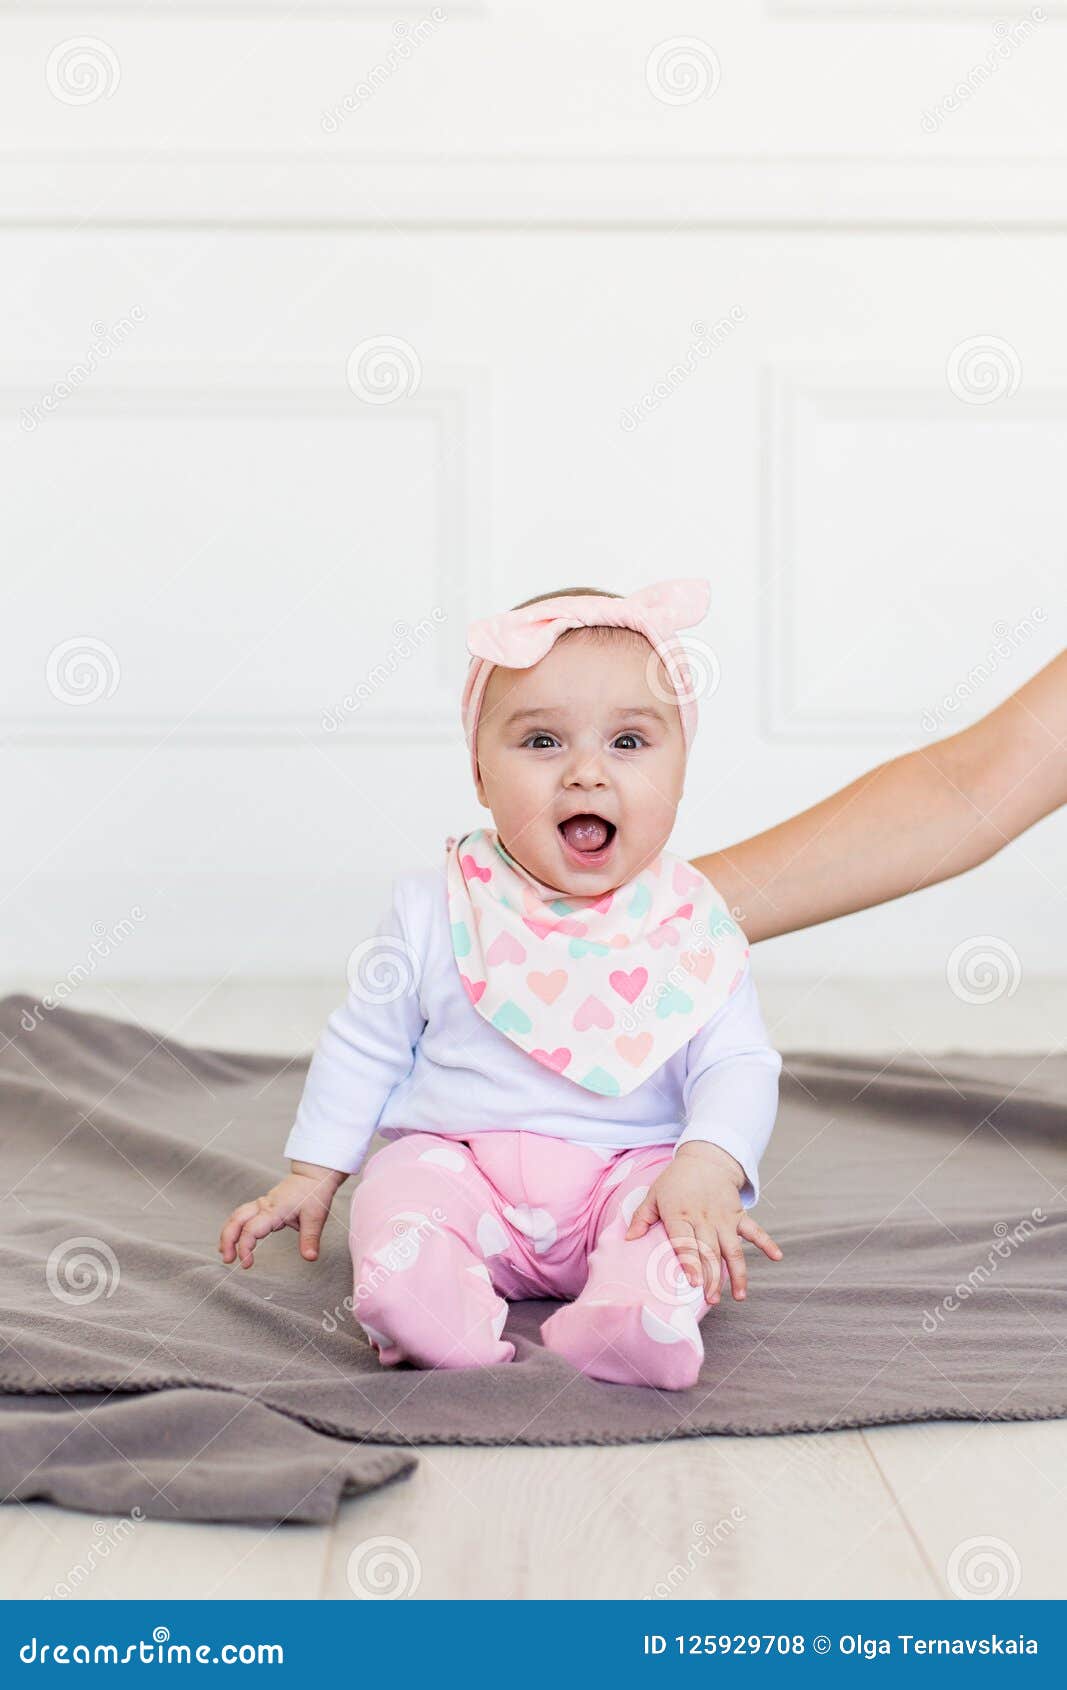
(445, 1232)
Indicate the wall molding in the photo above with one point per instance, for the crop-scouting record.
(320, 189)
(783, 719)
(456, 408)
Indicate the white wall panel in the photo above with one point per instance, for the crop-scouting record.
(554, 244)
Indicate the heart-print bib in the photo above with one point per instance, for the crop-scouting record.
(601, 990)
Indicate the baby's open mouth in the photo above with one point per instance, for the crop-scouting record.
(587, 834)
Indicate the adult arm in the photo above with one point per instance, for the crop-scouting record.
(918, 819)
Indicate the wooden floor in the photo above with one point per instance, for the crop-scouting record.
(927, 1510)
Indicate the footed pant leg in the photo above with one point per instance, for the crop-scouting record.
(423, 1222)
(637, 1319)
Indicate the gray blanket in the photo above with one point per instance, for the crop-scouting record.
(920, 1203)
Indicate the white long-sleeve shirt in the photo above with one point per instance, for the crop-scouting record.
(408, 1052)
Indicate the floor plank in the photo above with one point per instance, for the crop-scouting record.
(702, 1518)
(49, 1552)
(986, 1501)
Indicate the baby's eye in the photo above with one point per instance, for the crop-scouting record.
(539, 741)
(635, 741)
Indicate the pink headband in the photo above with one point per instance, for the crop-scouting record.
(517, 639)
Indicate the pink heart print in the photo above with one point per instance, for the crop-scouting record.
(471, 871)
(634, 1050)
(473, 989)
(685, 879)
(592, 1013)
(557, 1060)
(629, 985)
(505, 948)
(547, 987)
(699, 963)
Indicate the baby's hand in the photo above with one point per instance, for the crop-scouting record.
(697, 1197)
(302, 1200)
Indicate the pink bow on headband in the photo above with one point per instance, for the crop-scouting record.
(517, 639)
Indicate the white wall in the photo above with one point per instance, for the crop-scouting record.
(243, 535)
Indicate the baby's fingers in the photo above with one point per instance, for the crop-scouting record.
(232, 1230)
(734, 1257)
(253, 1230)
(750, 1229)
(644, 1216)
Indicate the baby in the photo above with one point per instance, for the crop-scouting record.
(556, 1033)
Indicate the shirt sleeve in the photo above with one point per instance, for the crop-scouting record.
(366, 1049)
(731, 1085)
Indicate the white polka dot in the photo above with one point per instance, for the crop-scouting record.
(445, 1158)
(630, 1202)
(480, 1271)
(535, 1224)
(500, 1320)
(681, 1327)
(618, 1173)
(409, 1231)
(492, 1239)
(378, 1339)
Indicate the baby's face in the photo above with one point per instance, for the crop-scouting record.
(581, 762)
